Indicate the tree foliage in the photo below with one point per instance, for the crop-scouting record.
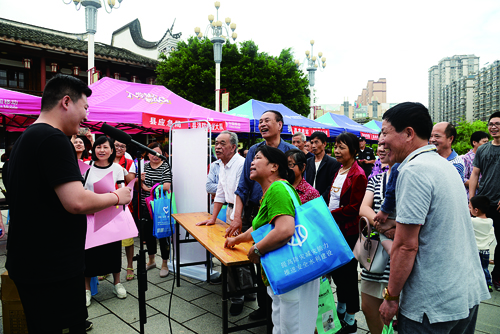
(246, 74)
(464, 131)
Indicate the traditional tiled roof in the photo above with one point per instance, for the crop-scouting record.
(136, 33)
(21, 33)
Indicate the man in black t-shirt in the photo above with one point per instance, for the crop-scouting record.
(365, 156)
(47, 199)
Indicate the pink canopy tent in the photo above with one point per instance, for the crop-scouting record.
(19, 109)
(151, 106)
(132, 107)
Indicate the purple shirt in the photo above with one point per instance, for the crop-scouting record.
(468, 160)
(378, 169)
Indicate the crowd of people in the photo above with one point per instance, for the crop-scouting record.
(414, 194)
(427, 205)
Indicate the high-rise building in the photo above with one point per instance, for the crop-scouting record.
(374, 91)
(487, 91)
(450, 83)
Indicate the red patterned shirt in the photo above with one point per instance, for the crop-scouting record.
(306, 191)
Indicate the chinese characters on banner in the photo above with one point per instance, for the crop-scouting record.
(8, 104)
(215, 126)
(369, 136)
(309, 258)
(308, 131)
(164, 122)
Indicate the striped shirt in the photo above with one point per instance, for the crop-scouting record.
(161, 174)
(377, 185)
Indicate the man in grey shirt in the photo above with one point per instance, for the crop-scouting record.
(436, 280)
(487, 164)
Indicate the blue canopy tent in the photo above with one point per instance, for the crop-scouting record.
(254, 109)
(348, 125)
(375, 125)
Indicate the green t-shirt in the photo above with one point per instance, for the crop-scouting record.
(275, 202)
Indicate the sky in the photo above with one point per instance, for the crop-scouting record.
(361, 39)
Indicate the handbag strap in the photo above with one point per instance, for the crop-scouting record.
(292, 194)
(361, 219)
(87, 174)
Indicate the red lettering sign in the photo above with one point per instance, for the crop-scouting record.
(309, 131)
(369, 136)
(163, 122)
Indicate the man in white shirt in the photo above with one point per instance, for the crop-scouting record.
(231, 167)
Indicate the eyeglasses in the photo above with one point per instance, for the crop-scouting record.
(120, 147)
(292, 165)
(497, 125)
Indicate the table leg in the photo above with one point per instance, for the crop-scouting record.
(209, 266)
(225, 319)
(177, 254)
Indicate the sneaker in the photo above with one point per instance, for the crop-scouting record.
(348, 329)
(496, 284)
(236, 309)
(120, 291)
(216, 281)
(490, 288)
(258, 314)
(88, 325)
(88, 295)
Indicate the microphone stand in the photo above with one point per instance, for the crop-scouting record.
(142, 276)
(140, 258)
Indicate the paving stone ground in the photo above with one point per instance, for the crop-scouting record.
(195, 306)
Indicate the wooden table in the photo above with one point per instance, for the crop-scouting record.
(212, 238)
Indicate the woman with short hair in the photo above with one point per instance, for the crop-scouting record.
(297, 163)
(294, 311)
(346, 195)
(155, 171)
(107, 258)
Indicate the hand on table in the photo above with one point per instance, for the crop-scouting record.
(207, 222)
(230, 243)
(234, 228)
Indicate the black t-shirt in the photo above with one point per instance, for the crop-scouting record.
(366, 154)
(40, 228)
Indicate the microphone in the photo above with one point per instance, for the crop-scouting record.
(125, 138)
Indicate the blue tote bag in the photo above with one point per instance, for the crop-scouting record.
(163, 224)
(317, 247)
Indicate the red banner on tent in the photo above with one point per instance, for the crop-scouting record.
(215, 126)
(308, 131)
(163, 122)
(369, 136)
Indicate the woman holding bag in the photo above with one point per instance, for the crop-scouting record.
(294, 311)
(156, 171)
(373, 284)
(346, 194)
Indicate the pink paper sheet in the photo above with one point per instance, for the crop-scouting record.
(120, 228)
(104, 186)
(83, 167)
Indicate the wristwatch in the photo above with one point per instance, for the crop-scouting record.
(256, 250)
(387, 296)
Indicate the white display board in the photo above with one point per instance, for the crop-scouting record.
(189, 176)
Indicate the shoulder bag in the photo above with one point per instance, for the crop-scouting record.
(317, 247)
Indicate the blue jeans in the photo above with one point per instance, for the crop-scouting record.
(484, 256)
(463, 326)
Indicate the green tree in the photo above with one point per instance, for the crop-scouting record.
(246, 74)
(464, 131)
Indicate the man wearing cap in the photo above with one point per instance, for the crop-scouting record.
(365, 156)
